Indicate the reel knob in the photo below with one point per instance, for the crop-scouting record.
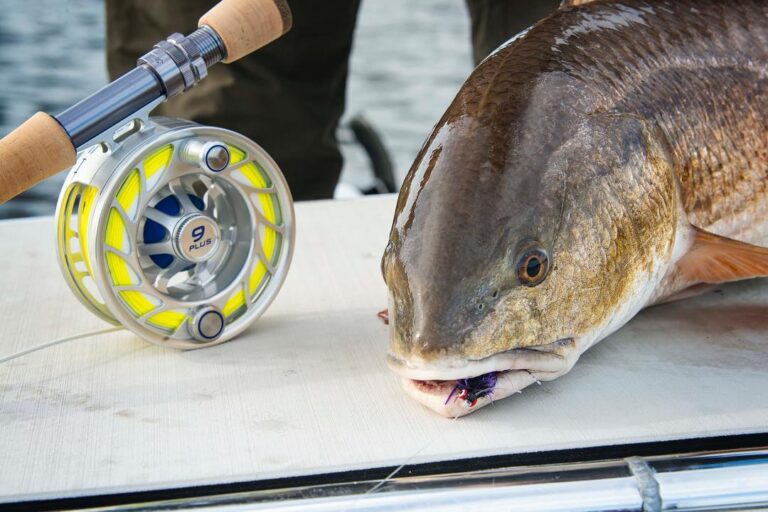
(207, 324)
(211, 156)
(196, 238)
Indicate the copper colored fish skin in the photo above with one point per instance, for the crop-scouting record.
(600, 134)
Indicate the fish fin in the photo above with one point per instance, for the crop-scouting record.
(574, 3)
(717, 259)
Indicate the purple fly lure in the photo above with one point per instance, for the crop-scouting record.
(470, 390)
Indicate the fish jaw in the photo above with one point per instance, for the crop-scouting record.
(540, 360)
(436, 395)
(433, 384)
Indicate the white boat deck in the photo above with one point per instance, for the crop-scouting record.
(306, 389)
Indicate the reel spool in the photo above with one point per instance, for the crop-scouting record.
(180, 232)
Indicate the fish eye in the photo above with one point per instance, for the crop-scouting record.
(532, 266)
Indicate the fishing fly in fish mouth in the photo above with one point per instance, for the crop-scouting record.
(592, 166)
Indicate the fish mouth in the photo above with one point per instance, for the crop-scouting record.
(455, 387)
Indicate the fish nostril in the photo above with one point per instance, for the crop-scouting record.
(485, 300)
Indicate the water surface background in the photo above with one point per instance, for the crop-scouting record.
(409, 59)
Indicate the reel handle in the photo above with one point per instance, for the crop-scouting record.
(246, 25)
(36, 150)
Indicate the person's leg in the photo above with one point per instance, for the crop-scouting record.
(495, 21)
(288, 96)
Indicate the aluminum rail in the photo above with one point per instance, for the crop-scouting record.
(701, 481)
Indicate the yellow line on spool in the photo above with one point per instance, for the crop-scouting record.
(158, 161)
(116, 236)
(236, 155)
(256, 176)
(87, 199)
(170, 320)
(128, 195)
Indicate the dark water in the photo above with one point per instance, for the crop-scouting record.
(410, 58)
(51, 55)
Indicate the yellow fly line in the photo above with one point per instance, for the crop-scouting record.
(128, 195)
(270, 240)
(234, 304)
(158, 161)
(258, 179)
(72, 225)
(87, 199)
(116, 236)
(236, 155)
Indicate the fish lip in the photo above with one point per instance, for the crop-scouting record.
(528, 358)
(438, 398)
(424, 371)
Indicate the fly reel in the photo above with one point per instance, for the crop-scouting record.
(180, 232)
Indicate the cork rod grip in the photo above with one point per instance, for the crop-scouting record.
(36, 150)
(247, 25)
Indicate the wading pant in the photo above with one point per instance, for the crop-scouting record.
(288, 96)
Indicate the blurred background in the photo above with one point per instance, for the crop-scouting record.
(408, 61)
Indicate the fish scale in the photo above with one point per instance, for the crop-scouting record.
(701, 121)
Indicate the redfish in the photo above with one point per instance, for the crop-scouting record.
(611, 157)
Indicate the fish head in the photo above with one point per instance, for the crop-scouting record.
(529, 226)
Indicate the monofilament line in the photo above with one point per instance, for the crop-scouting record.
(59, 341)
(397, 470)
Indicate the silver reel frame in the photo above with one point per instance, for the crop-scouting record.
(239, 249)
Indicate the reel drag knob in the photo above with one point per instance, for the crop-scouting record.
(182, 233)
(196, 238)
(211, 156)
